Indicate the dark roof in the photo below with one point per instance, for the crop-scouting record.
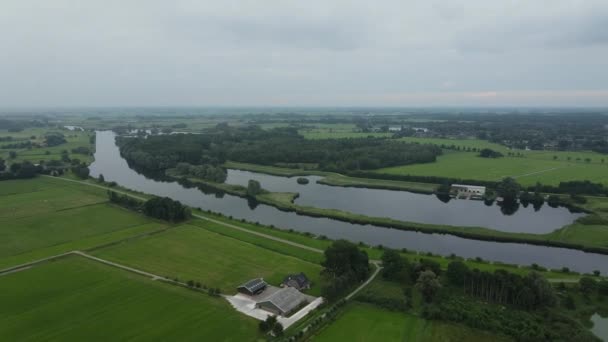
(300, 278)
(285, 299)
(254, 285)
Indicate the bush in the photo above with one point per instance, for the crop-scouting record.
(303, 180)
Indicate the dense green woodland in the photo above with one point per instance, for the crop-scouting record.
(269, 147)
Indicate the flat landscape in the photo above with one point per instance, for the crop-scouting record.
(533, 167)
(75, 299)
(44, 217)
(364, 322)
(194, 253)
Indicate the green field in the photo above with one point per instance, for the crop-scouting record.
(363, 322)
(534, 167)
(74, 139)
(194, 253)
(75, 299)
(44, 216)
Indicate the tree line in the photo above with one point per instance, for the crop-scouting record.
(161, 208)
(269, 147)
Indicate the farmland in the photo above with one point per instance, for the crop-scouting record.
(73, 139)
(75, 299)
(44, 216)
(533, 167)
(193, 253)
(363, 322)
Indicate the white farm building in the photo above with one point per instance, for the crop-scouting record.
(469, 190)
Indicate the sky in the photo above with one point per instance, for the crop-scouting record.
(303, 53)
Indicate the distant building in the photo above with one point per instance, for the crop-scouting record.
(468, 190)
(253, 287)
(394, 129)
(283, 302)
(297, 281)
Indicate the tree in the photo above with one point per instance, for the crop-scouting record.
(508, 189)
(344, 258)
(12, 154)
(277, 330)
(488, 153)
(395, 266)
(457, 272)
(428, 285)
(253, 188)
(101, 179)
(587, 285)
(2, 165)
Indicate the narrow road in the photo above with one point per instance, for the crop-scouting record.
(369, 280)
(123, 267)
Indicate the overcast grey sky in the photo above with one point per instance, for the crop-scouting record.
(305, 52)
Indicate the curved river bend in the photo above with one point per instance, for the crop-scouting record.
(114, 168)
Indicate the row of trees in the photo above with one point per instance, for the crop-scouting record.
(16, 170)
(529, 292)
(208, 172)
(284, 145)
(160, 208)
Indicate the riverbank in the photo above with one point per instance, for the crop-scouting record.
(574, 236)
(336, 179)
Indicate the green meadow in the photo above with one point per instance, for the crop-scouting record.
(74, 139)
(193, 253)
(75, 299)
(364, 322)
(532, 168)
(43, 216)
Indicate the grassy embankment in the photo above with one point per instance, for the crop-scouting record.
(74, 139)
(578, 236)
(336, 179)
(365, 322)
(582, 234)
(77, 299)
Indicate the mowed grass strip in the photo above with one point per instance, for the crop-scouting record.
(43, 200)
(364, 323)
(527, 171)
(82, 244)
(40, 231)
(76, 299)
(193, 253)
(263, 242)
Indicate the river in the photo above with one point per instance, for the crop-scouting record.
(114, 168)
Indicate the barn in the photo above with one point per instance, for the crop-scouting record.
(283, 301)
(253, 287)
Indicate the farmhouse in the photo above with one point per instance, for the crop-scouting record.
(469, 190)
(297, 281)
(253, 287)
(283, 301)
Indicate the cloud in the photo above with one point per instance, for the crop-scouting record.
(342, 52)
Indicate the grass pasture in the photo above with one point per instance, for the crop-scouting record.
(75, 299)
(43, 216)
(363, 323)
(74, 139)
(534, 167)
(193, 253)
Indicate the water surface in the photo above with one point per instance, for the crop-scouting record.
(114, 168)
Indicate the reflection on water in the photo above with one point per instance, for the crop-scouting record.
(600, 326)
(408, 206)
(114, 168)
